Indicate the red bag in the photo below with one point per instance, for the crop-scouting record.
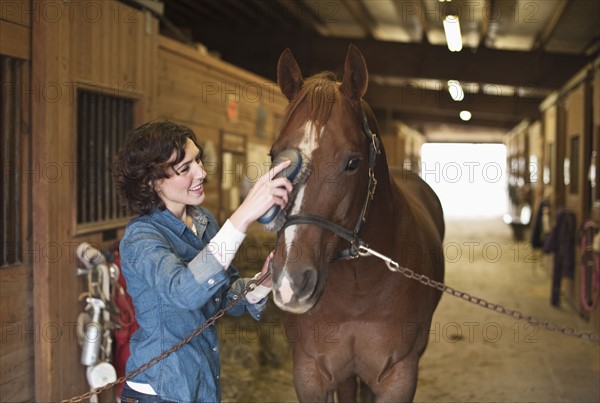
(127, 325)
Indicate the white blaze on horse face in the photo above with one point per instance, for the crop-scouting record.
(285, 290)
(309, 143)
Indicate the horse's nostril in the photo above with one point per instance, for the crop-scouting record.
(308, 284)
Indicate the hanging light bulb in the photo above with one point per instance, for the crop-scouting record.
(455, 90)
(452, 31)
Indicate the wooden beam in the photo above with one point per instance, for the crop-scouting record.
(155, 7)
(414, 99)
(361, 15)
(204, 10)
(404, 7)
(485, 22)
(44, 46)
(316, 53)
(549, 29)
(418, 119)
(14, 40)
(303, 13)
(274, 13)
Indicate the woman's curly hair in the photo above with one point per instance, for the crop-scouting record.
(145, 158)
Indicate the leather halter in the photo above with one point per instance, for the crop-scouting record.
(351, 236)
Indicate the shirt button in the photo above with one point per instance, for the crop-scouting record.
(218, 376)
(214, 349)
(211, 281)
(217, 299)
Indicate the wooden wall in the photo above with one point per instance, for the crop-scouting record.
(568, 139)
(403, 146)
(108, 48)
(578, 148)
(519, 175)
(535, 163)
(223, 104)
(595, 194)
(550, 164)
(18, 332)
(596, 143)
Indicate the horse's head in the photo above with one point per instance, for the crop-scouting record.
(325, 121)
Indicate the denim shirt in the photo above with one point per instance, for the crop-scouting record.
(176, 284)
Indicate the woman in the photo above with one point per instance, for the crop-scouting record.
(176, 261)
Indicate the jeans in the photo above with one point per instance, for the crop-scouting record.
(131, 396)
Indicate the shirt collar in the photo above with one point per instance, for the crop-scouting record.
(166, 217)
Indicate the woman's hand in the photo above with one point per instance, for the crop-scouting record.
(264, 194)
(265, 271)
(264, 288)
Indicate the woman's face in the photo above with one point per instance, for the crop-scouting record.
(185, 184)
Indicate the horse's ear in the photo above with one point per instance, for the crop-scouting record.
(356, 77)
(289, 76)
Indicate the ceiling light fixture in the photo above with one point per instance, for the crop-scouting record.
(452, 31)
(465, 115)
(455, 90)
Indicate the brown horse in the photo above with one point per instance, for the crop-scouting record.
(351, 319)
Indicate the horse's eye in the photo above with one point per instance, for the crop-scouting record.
(352, 164)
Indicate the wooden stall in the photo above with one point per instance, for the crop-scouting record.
(551, 175)
(535, 163)
(92, 74)
(76, 78)
(594, 172)
(403, 146)
(519, 184)
(235, 114)
(570, 142)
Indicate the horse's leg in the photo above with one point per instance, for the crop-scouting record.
(398, 383)
(346, 391)
(365, 393)
(311, 380)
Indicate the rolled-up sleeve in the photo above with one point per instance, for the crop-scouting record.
(255, 309)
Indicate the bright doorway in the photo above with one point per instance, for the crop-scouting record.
(469, 179)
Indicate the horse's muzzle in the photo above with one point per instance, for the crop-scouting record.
(296, 293)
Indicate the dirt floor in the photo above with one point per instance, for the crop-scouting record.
(474, 354)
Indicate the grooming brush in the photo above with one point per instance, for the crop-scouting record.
(296, 172)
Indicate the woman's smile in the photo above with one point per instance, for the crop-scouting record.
(198, 189)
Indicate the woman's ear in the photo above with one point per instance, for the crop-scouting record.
(155, 185)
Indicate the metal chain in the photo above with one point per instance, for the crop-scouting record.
(250, 285)
(392, 266)
(425, 280)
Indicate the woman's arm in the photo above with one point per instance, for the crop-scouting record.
(149, 261)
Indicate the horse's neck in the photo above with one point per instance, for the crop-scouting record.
(388, 205)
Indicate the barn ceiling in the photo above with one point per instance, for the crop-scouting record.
(515, 52)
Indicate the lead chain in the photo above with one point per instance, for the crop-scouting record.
(425, 280)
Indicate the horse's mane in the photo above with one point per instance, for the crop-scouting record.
(320, 92)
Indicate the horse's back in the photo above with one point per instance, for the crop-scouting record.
(422, 199)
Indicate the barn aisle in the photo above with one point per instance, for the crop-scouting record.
(478, 355)
(473, 355)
